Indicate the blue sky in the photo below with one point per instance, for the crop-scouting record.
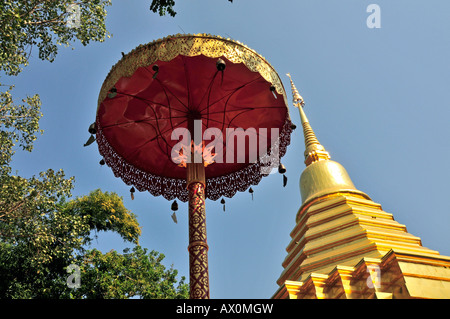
(376, 98)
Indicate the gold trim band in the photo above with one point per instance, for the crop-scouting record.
(198, 243)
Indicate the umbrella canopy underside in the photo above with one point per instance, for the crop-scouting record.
(162, 86)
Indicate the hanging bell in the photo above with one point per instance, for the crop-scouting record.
(112, 93)
(251, 192)
(102, 162)
(222, 201)
(220, 64)
(132, 190)
(93, 130)
(155, 68)
(174, 206)
(272, 89)
(282, 170)
(293, 126)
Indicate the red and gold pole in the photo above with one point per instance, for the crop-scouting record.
(198, 247)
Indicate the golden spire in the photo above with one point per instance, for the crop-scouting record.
(314, 151)
(321, 176)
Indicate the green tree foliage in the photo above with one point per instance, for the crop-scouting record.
(41, 231)
(47, 234)
(135, 273)
(19, 124)
(43, 24)
(105, 211)
(165, 6)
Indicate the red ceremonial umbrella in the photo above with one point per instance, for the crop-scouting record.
(192, 117)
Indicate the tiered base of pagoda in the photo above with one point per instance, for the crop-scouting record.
(345, 246)
(395, 276)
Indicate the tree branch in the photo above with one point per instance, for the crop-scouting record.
(55, 21)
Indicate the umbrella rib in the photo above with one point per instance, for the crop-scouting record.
(220, 123)
(209, 95)
(208, 91)
(166, 131)
(187, 82)
(168, 104)
(167, 97)
(243, 111)
(250, 108)
(148, 101)
(157, 125)
(228, 100)
(156, 137)
(209, 88)
(145, 143)
(142, 120)
(165, 88)
(229, 94)
(159, 133)
(224, 140)
(232, 125)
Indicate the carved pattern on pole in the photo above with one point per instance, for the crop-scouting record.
(198, 247)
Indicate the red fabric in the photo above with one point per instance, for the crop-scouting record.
(139, 120)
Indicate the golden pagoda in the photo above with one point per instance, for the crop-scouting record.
(345, 246)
